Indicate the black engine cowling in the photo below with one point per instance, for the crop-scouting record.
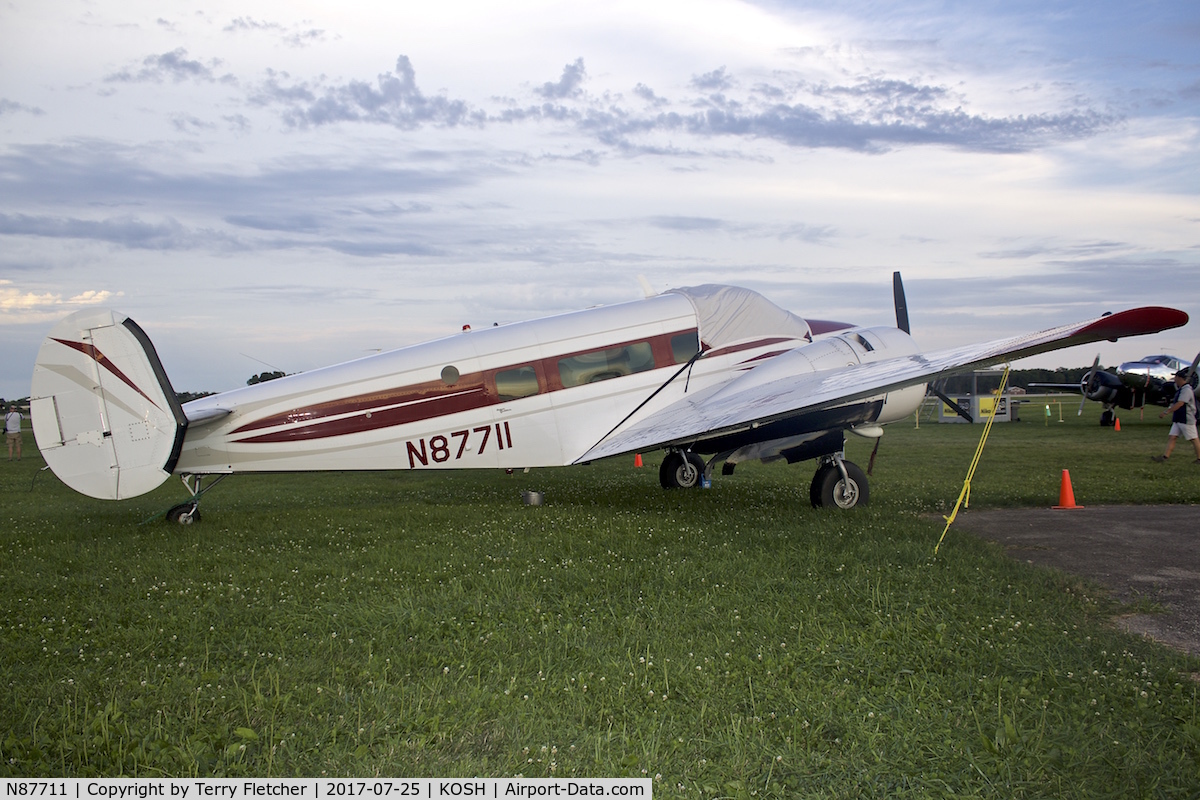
(1103, 387)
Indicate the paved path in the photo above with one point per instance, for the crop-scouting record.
(1150, 552)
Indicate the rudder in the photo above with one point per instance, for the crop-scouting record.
(104, 414)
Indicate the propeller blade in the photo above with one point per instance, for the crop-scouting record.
(1192, 370)
(902, 303)
(1087, 382)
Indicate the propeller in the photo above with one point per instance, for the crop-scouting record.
(1087, 382)
(902, 304)
(902, 323)
(1192, 369)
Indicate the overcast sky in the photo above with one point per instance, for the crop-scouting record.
(286, 185)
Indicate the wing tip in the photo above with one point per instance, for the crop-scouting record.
(1136, 322)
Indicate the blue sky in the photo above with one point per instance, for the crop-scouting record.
(267, 183)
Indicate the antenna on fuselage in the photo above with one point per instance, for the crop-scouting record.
(264, 363)
(647, 289)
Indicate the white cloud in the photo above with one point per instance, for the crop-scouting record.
(15, 301)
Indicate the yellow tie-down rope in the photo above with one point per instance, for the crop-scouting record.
(964, 497)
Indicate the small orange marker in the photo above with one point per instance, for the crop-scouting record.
(1066, 495)
(637, 460)
(1117, 425)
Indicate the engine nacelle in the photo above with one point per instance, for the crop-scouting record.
(1102, 387)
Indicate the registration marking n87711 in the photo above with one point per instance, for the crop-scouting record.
(453, 446)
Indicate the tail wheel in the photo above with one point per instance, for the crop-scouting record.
(680, 470)
(184, 513)
(830, 490)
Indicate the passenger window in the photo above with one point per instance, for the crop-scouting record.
(513, 384)
(684, 346)
(600, 365)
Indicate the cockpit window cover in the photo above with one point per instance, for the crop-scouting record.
(730, 314)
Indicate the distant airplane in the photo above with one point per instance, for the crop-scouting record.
(716, 371)
(1148, 381)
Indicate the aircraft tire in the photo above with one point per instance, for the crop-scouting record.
(184, 514)
(828, 490)
(814, 489)
(680, 470)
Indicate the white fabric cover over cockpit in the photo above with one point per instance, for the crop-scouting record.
(730, 314)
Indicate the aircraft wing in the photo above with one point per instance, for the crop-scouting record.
(756, 398)
(1073, 388)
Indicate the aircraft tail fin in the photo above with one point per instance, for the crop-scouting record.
(104, 414)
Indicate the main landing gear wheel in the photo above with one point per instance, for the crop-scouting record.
(830, 489)
(184, 513)
(680, 470)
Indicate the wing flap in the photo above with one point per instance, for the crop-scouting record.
(732, 407)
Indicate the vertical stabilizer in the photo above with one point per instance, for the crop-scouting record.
(104, 414)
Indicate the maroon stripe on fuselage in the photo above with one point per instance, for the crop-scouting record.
(763, 357)
(415, 411)
(737, 348)
(419, 402)
(372, 403)
(821, 326)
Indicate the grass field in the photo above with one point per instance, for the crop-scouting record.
(726, 642)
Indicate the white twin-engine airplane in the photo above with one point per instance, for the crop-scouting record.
(714, 371)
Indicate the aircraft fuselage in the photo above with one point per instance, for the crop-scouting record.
(529, 394)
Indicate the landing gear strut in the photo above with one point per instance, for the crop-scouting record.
(839, 483)
(681, 470)
(184, 513)
(188, 512)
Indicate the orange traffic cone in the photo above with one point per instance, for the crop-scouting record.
(637, 460)
(1117, 425)
(1066, 496)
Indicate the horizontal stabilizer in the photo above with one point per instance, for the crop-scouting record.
(104, 414)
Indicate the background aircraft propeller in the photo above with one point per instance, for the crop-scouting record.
(1087, 387)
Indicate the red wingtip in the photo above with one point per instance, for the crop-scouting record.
(1136, 322)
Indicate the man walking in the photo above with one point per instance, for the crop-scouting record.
(1183, 416)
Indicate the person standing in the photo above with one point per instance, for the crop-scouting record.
(1183, 416)
(12, 431)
